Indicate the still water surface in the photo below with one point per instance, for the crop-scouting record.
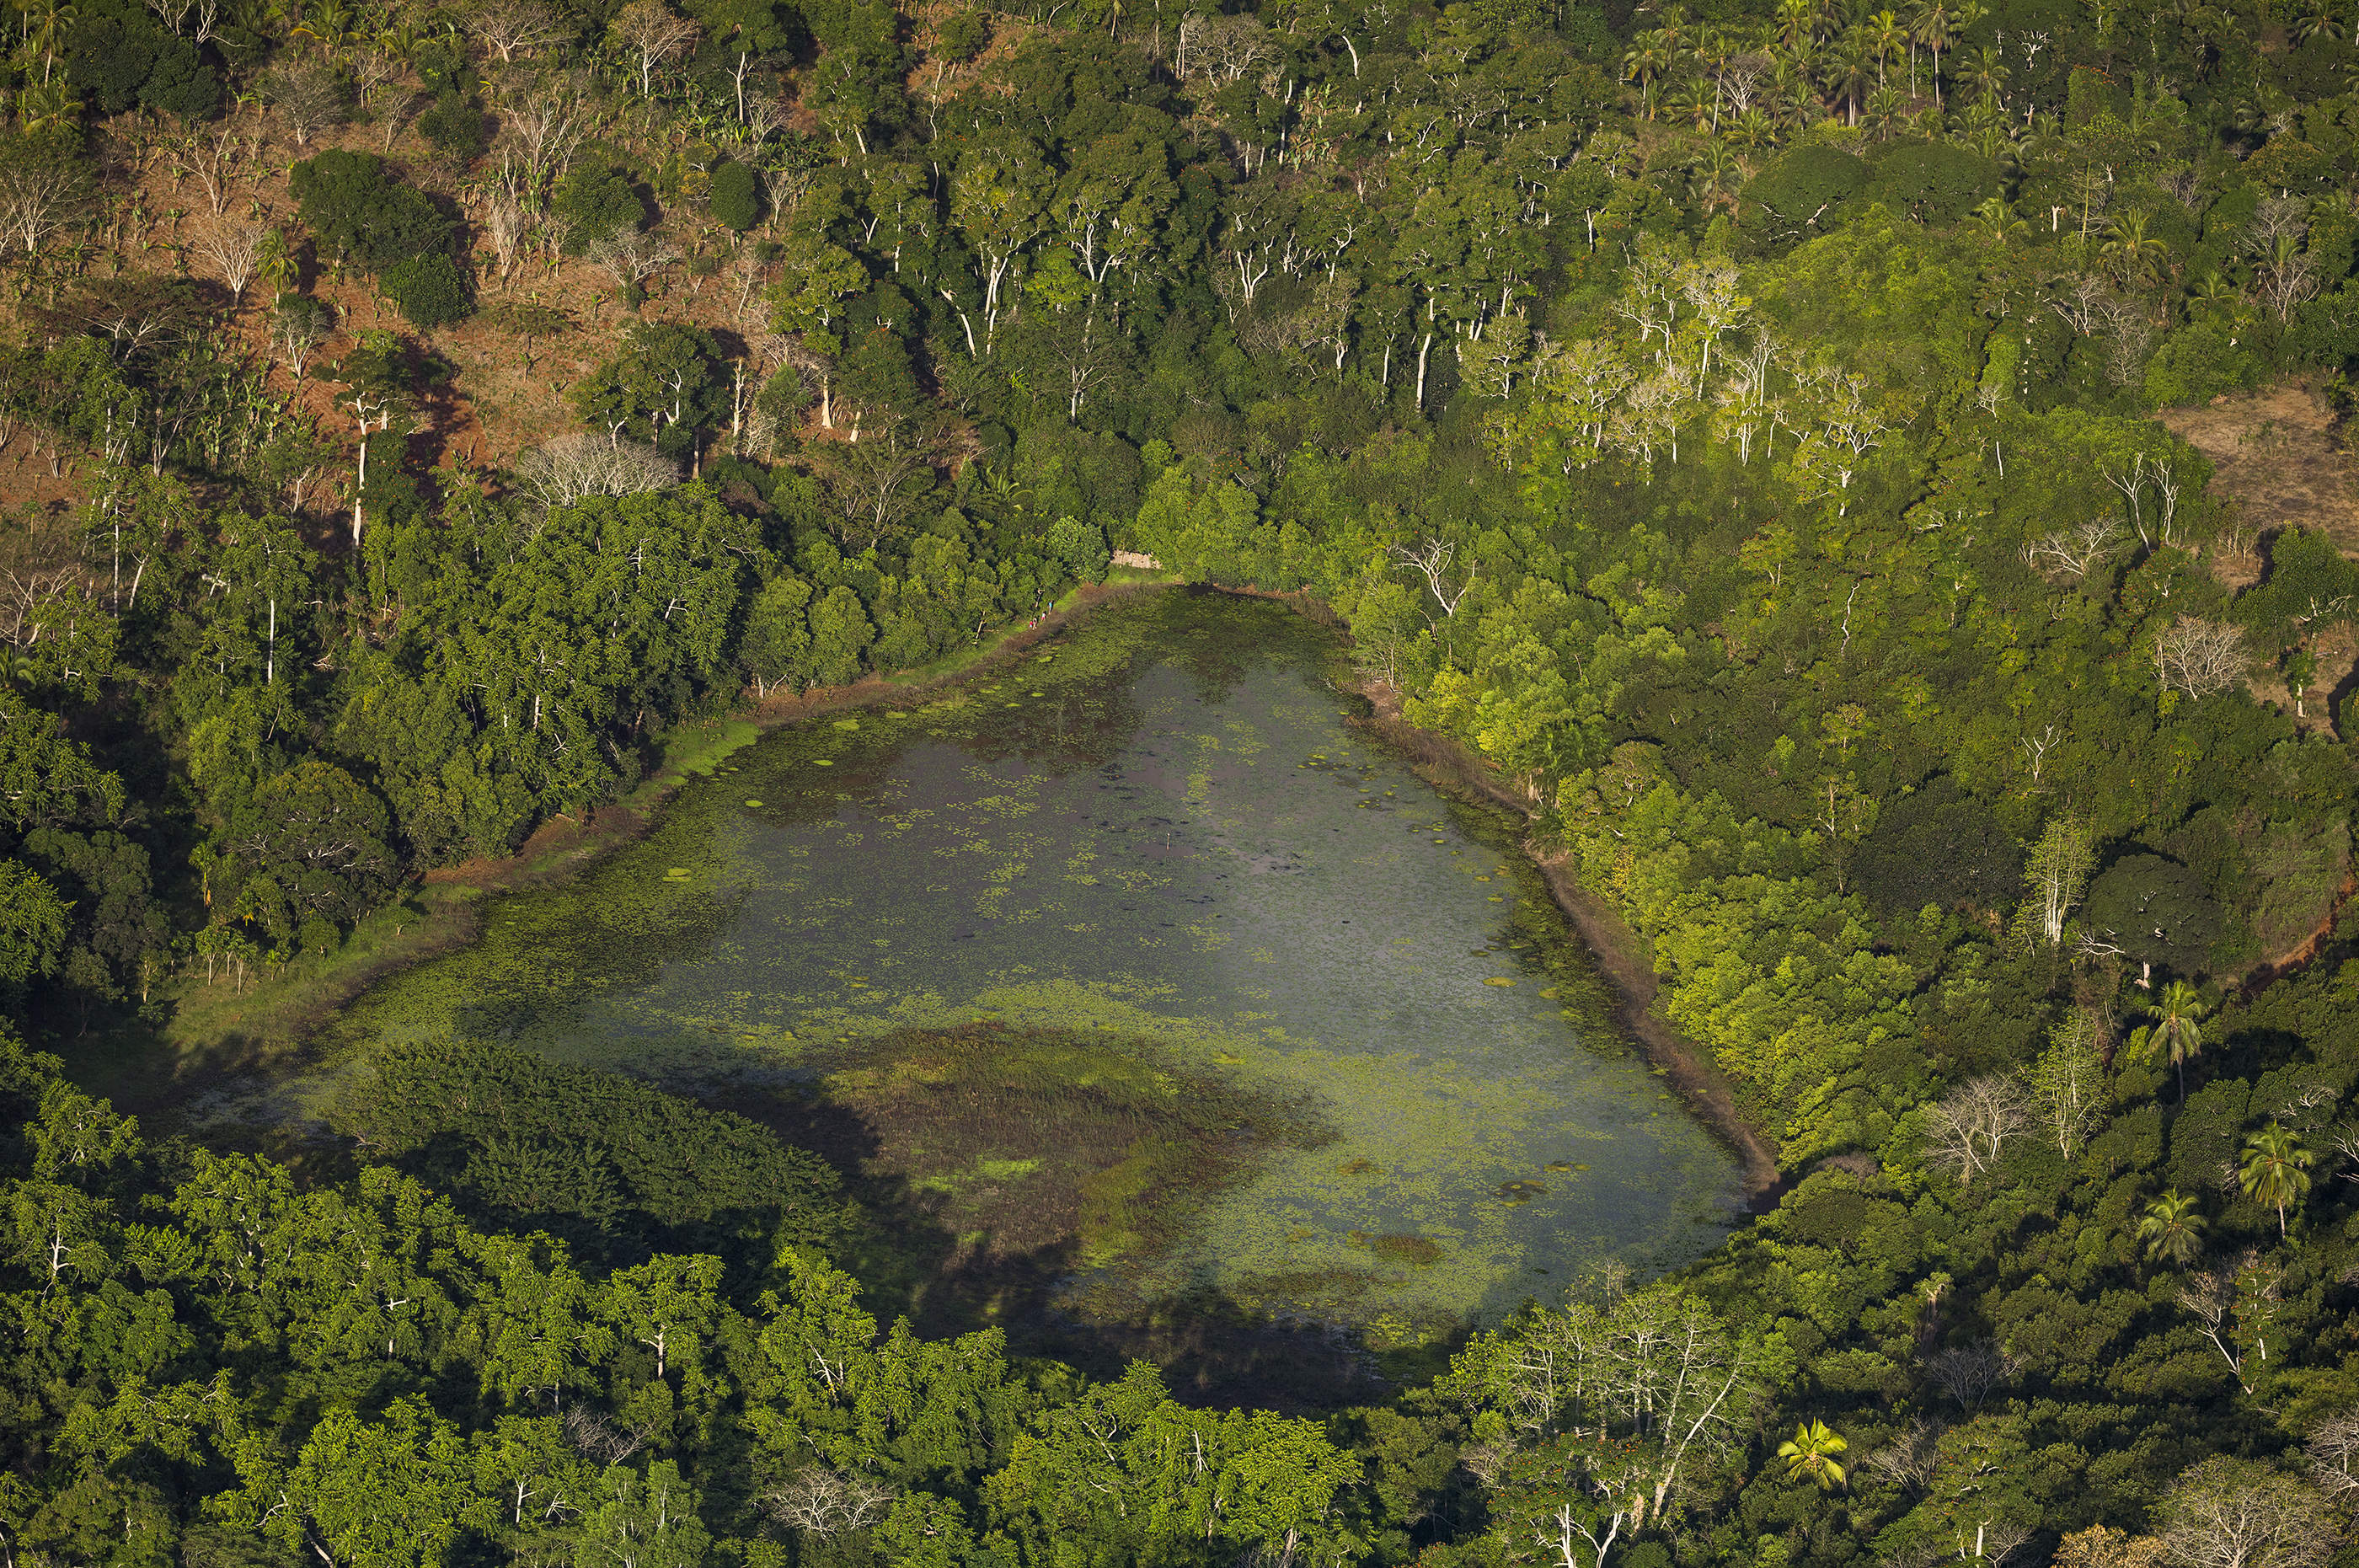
(1164, 828)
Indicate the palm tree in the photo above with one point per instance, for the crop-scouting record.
(2177, 1032)
(1720, 171)
(1694, 101)
(2172, 1230)
(2277, 1169)
(1810, 1452)
(2319, 19)
(1986, 71)
(1649, 58)
(2136, 255)
(1934, 24)
(1753, 130)
(1848, 69)
(1797, 23)
(1886, 36)
(1885, 106)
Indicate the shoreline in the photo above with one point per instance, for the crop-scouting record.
(1619, 952)
(443, 912)
(277, 1022)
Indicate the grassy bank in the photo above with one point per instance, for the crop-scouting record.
(225, 1018)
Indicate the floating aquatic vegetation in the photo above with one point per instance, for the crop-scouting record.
(1141, 854)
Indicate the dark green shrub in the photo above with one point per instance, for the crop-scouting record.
(429, 289)
(1935, 182)
(2158, 911)
(736, 199)
(443, 66)
(114, 53)
(355, 204)
(1803, 192)
(1936, 846)
(456, 126)
(964, 37)
(595, 200)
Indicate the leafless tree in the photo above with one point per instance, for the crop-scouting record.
(210, 155)
(2130, 333)
(1910, 1459)
(300, 326)
(511, 28)
(1220, 48)
(1432, 561)
(2079, 300)
(656, 35)
(1967, 1128)
(876, 482)
(575, 467)
(308, 92)
(541, 122)
(630, 257)
(506, 228)
(2209, 1297)
(2199, 656)
(2076, 550)
(39, 195)
(2276, 218)
(2285, 277)
(829, 1502)
(374, 69)
(2235, 1513)
(785, 183)
(595, 1438)
(234, 248)
(765, 114)
(2168, 487)
(1969, 1372)
(2334, 1452)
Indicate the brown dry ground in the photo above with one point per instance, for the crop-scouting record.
(2278, 453)
(2279, 460)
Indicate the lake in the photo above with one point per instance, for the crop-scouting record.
(1163, 832)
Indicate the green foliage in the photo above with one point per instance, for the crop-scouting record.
(457, 126)
(1803, 190)
(596, 199)
(617, 1168)
(736, 196)
(1934, 182)
(1081, 549)
(1937, 845)
(1795, 552)
(429, 289)
(114, 51)
(2155, 910)
(360, 210)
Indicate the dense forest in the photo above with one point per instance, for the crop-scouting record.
(1747, 426)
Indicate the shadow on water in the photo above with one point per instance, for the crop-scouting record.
(919, 1259)
(1152, 873)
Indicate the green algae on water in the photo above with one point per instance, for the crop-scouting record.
(1136, 853)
